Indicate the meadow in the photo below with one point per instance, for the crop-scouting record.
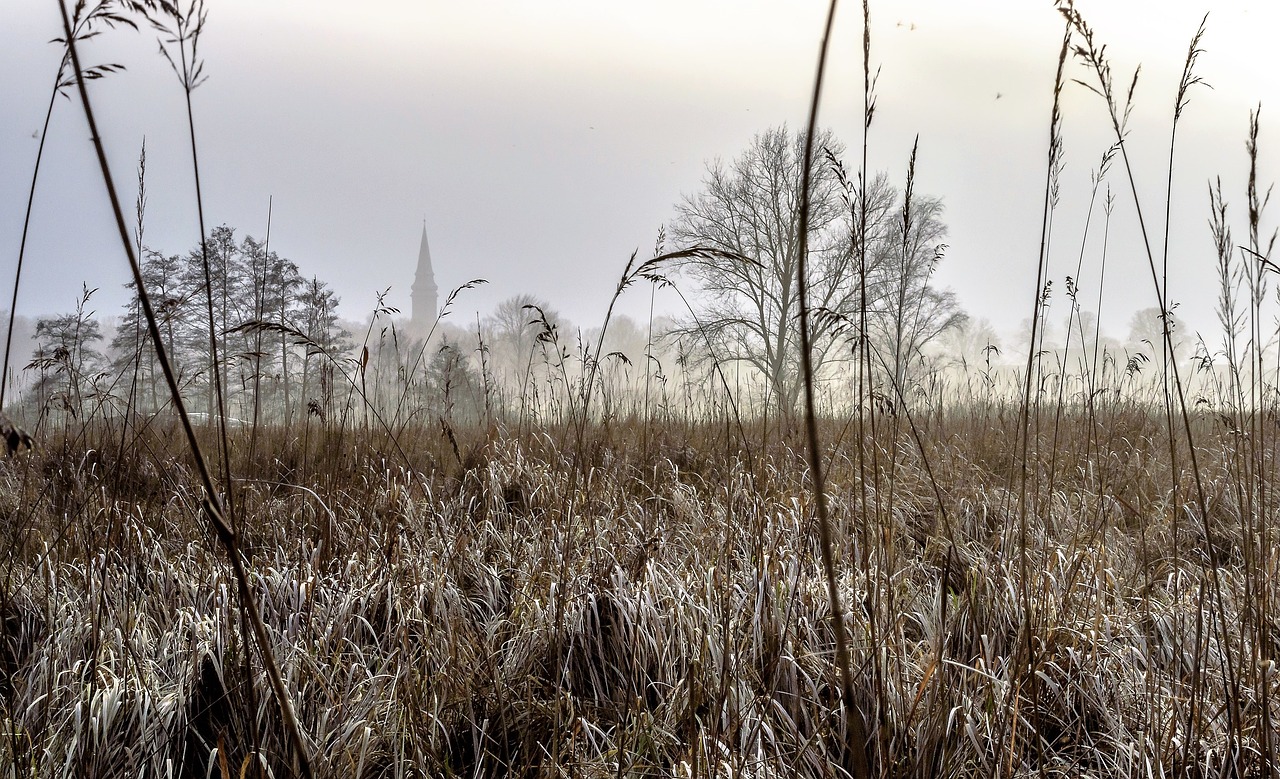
(650, 603)
(1062, 564)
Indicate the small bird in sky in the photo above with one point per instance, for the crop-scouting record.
(999, 95)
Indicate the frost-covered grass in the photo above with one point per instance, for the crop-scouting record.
(640, 613)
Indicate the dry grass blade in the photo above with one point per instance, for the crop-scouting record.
(211, 501)
(858, 741)
(15, 438)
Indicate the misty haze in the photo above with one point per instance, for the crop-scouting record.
(690, 389)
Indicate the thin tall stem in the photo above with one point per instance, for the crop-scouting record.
(212, 504)
(857, 727)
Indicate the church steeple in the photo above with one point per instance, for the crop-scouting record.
(426, 296)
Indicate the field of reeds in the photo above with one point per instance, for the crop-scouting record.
(652, 604)
(1063, 565)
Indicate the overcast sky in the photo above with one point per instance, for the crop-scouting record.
(544, 142)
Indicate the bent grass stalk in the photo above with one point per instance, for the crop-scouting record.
(212, 504)
(857, 733)
(1025, 649)
(184, 30)
(1094, 57)
(81, 29)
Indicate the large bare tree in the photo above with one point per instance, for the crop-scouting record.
(907, 311)
(747, 307)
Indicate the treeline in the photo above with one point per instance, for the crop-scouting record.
(273, 338)
(283, 355)
(269, 333)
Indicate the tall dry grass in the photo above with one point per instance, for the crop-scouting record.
(424, 624)
(1063, 567)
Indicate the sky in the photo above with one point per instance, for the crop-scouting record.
(543, 143)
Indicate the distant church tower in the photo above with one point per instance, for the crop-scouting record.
(426, 296)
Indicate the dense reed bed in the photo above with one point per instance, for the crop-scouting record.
(473, 619)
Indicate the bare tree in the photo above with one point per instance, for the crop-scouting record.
(327, 341)
(971, 343)
(749, 308)
(513, 336)
(1146, 331)
(66, 357)
(165, 279)
(908, 312)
